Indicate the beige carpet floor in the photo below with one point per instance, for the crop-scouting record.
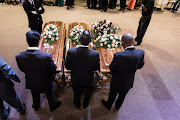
(155, 95)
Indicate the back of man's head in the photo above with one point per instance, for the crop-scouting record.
(32, 38)
(127, 40)
(85, 37)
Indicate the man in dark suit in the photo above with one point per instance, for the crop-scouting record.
(82, 62)
(39, 69)
(147, 10)
(123, 68)
(34, 10)
(7, 92)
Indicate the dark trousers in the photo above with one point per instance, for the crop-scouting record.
(122, 4)
(100, 4)
(68, 2)
(112, 4)
(175, 4)
(104, 5)
(143, 24)
(37, 27)
(11, 98)
(78, 93)
(49, 95)
(94, 3)
(112, 96)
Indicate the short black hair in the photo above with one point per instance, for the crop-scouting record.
(32, 38)
(85, 37)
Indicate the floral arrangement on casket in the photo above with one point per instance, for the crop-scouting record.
(103, 27)
(50, 34)
(75, 33)
(108, 41)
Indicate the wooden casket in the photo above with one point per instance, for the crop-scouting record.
(106, 56)
(58, 49)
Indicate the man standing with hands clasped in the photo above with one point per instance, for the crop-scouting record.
(147, 10)
(82, 62)
(34, 10)
(123, 68)
(39, 69)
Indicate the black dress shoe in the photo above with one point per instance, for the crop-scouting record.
(6, 115)
(35, 107)
(120, 9)
(105, 104)
(23, 110)
(68, 7)
(71, 6)
(85, 105)
(136, 43)
(118, 107)
(123, 11)
(56, 106)
(77, 105)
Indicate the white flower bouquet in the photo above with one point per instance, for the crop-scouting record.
(108, 41)
(103, 27)
(50, 34)
(75, 33)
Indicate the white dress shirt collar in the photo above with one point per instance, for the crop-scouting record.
(129, 47)
(83, 46)
(31, 1)
(33, 48)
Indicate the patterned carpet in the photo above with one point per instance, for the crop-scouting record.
(155, 95)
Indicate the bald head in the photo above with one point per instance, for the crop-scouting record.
(127, 40)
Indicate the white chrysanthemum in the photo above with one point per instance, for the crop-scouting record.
(47, 27)
(101, 44)
(71, 34)
(107, 21)
(57, 34)
(116, 37)
(52, 39)
(50, 32)
(57, 38)
(109, 46)
(111, 37)
(49, 36)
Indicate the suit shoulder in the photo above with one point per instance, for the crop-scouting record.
(94, 51)
(72, 50)
(139, 50)
(20, 54)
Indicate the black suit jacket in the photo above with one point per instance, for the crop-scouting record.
(34, 19)
(82, 62)
(38, 67)
(6, 75)
(124, 66)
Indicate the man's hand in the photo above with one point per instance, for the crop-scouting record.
(34, 12)
(40, 8)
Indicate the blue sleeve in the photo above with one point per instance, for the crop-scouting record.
(8, 71)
